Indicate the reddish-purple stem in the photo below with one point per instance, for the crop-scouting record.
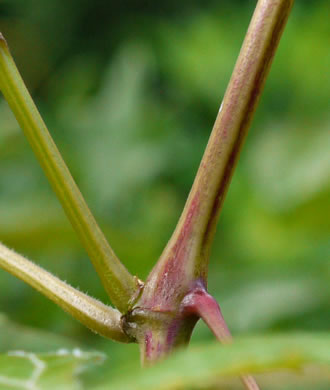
(200, 303)
(185, 258)
(175, 290)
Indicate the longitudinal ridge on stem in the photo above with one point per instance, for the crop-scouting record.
(120, 285)
(185, 258)
(96, 316)
(183, 264)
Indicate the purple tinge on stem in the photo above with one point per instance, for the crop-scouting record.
(170, 279)
(152, 349)
(202, 304)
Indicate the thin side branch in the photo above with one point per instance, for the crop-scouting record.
(120, 285)
(98, 317)
(202, 304)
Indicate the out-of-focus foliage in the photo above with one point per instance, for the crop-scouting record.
(204, 364)
(18, 337)
(130, 91)
(51, 371)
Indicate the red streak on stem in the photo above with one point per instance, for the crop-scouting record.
(148, 344)
(172, 271)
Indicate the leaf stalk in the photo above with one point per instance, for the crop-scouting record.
(96, 316)
(120, 285)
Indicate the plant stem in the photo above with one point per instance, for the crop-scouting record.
(185, 258)
(234, 118)
(199, 302)
(120, 285)
(98, 317)
(183, 264)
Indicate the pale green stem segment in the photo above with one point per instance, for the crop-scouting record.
(92, 313)
(120, 285)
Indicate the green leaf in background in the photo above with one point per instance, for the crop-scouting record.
(14, 336)
(59, 370)
(206, 366)
(201, 366)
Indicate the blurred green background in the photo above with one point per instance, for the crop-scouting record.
(130, 91)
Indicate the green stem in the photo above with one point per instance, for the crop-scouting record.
(95, 315)
(120, 285)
